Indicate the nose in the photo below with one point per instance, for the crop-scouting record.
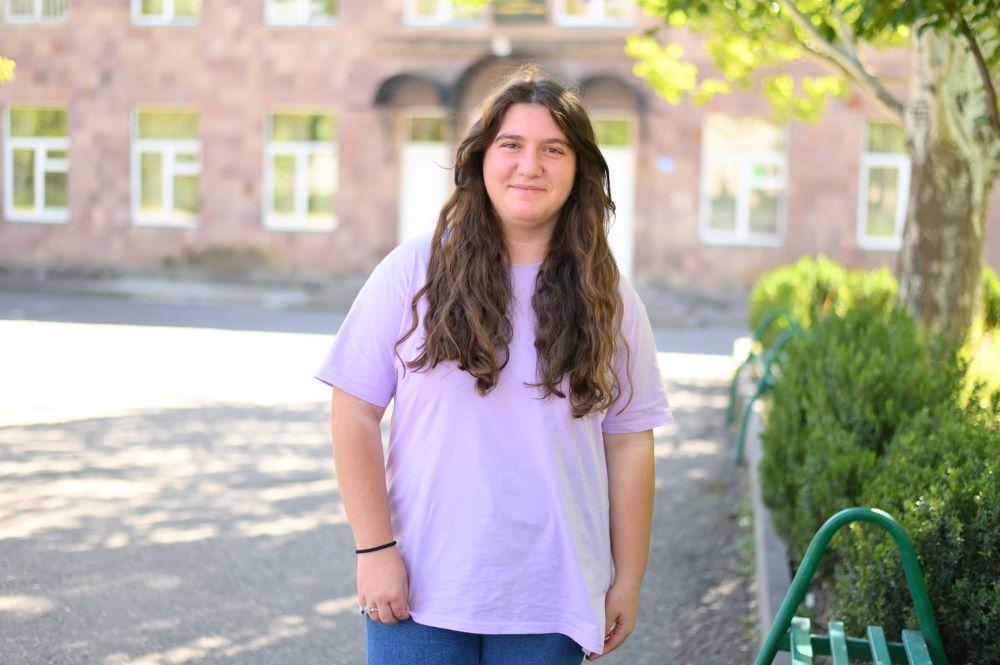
(529, 164)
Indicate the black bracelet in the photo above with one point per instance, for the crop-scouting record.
(375, 549)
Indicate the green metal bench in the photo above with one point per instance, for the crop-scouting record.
(764, 363)
(792, 634)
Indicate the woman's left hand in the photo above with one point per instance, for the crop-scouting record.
(621, 609)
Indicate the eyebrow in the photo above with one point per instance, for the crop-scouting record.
(517, 137)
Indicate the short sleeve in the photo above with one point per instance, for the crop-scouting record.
(643, 403)
(361, 360)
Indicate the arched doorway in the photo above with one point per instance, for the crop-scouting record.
(418, 104)
(615, 110)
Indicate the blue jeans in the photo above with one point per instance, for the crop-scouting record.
(409, 643)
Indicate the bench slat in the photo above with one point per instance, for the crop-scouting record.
(838, 643)
(879, 647)
(916, 647)
(801, 645)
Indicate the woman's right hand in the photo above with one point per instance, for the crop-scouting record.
(383, 583)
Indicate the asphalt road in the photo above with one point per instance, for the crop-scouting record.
(167, 495)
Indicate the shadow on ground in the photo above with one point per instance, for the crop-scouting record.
(216, 535)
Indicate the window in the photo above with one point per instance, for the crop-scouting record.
(166, 163)
(884, 188)
(36, 164)
(166, 12)
(443, 12)
(35, 11)
(594, 12)
(300, 182)
(300, 12)
(742, 181)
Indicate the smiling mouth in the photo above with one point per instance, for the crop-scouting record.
(527, 188)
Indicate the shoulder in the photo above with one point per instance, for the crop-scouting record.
(630, 296)
(412, 253)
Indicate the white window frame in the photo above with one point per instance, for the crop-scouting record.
(299, 221)
(43, 164)
(305, 17)
(444, 16)
(744, 161)
(167, 18)
(36, 17)
(869, 160)
(596, 18)
(168, 148)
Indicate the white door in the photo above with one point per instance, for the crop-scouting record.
(425, 176)
(615, 139)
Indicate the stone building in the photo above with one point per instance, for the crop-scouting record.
(311, 136)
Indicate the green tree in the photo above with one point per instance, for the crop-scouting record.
(6, 69)
(950, 114)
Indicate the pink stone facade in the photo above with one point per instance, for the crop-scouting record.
(367, 68)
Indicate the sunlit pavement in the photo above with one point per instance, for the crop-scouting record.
(167, 496)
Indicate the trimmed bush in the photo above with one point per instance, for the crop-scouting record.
(940, 478)
(812, 288)
(867, 412)
(844, 391)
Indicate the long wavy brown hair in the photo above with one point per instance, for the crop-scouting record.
(576, 301)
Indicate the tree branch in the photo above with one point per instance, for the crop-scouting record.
(845, 33)
(984, 72)
(850, 65)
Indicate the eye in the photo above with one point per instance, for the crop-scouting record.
(508, 145)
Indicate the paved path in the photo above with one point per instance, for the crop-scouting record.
(167, 496)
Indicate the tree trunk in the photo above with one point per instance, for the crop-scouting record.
(955, 160)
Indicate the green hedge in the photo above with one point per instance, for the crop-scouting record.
(866, 412)
(949, 465)
(811, 288)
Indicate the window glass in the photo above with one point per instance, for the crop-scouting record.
(302, 127)
(36, 146)
(56, 185)
(613, 132)
(151, 179)
(426, 129)
(283, 168)
(764, 211)
(883, 198)
(24, 179)
(743, 184)
(187, 8)
(301, 178)
(168, 124)
(185, 196)
(38, 122)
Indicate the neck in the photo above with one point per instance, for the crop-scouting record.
(527, 250)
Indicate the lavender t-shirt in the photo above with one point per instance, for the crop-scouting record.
(499, 503)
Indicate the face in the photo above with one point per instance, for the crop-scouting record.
(528, 171)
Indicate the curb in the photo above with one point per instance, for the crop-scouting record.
(772, 575)
(771, 556)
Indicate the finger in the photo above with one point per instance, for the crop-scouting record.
(385, 613)
(400, 610)
(615, 640)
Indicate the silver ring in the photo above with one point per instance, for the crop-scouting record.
(371, 610)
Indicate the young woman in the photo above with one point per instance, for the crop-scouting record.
(510, 521)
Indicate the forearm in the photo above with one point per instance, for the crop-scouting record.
(360, 467)
(631, 486)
